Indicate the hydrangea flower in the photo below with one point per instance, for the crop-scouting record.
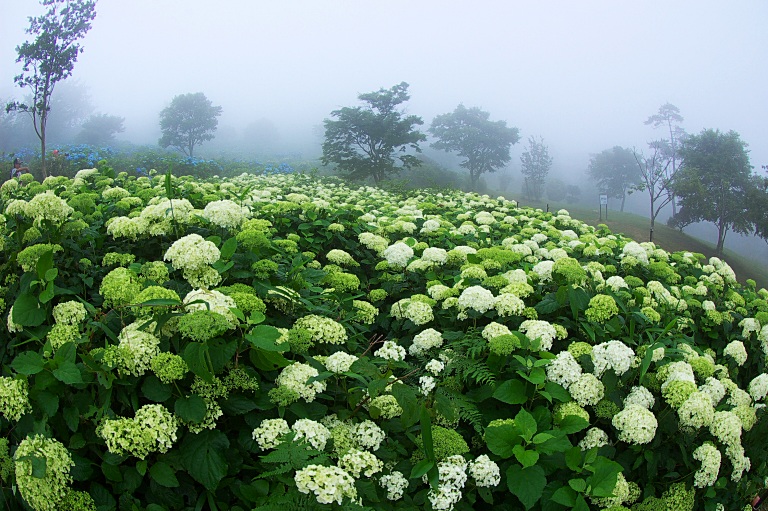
(476, 298)
(322, 329)
(391, 351)
(587, 390)
(612, 355)
(360, 463)
(47, 492)
(152, 429)
(737, 351)
(328, 484)
(340, 362)
(635, 424)
(484, 471)
(225, 214)
(294, 378)
(14, 398)
(424, 341)
(710, 457)
(312, 432)
(595, 437)
(563, 369)
(395, 484)
(542, 330)
(398, 255)
(269, 433)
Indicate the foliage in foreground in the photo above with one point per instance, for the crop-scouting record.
(283, 342)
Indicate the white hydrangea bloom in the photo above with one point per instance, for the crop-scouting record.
(612, 355)
(758, 387)
(391, 351)
(360, 463)
(476, 298)
(484, 471)
(268, 434)
(226, 214)
(395, 484)
(398, 254)
(367, 435)
(544, 270)
(640, 396)
(636, 425)
(537, 329)
(737, 351)
(587, 390)
(595, 437)
(435, 255)
(329, 484)
(710, 458)
(424, 341)
(563, 369)
(295, 376)
(314, 433)
(340, 362)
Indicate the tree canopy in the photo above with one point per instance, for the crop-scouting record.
(713, 183)
(615, 171)
(373, 140)
(484, 144)
(100, 129)
(535, 164)
(190, 120)
(51, 57)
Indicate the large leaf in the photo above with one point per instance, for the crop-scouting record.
(512, 392)
(228, 249)
(27, 310)
(264, 337)
(526, 483)
(203, 457)
(68, 373)
(526, 425)
(28, 363)
(406, 398)
(164, 475)
(502, 439)
(191, 408)
(603, 479)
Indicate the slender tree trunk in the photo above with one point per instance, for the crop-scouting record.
(623, 198)
(42, 145)
(722, 231)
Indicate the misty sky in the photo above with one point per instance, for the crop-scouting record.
(582, 74)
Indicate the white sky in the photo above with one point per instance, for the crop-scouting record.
(583, 74)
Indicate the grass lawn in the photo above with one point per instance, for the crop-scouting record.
(637, 227)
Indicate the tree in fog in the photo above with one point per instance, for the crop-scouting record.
(714, 182)
(373, 140)
(484, 144)
(50, 58)
(655, 178)
(757, 200)
(615, 171)
(535, 164)
(100, 129)
(669, 118)
(190, 120)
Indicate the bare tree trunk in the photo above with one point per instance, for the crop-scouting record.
(623, 198)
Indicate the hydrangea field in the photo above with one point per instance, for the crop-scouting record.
(287, 342)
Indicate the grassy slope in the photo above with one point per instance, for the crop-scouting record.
(637, 227)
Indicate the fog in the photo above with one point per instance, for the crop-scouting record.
(583, 75)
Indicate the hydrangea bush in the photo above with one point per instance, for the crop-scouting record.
(286, 342)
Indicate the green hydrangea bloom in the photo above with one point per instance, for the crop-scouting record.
(119, 287)
(365, 312)
(606, 409)
(702, 367)
(61, 334)
(203, 325)
(252, 240)
(6, 462)
(283, 396)
(651, 313)
(570, 270)
(240, 379)
(339, 280)
(530, 313)
(169, 367)
(264, 269)
(43, 493)
(77, 501)
(601, 308)
(503, 345)
(14, 398)
(377, 295)
(248, 303)
(563, 410)
(677, 391)
(155, 271)
(116, 258)
(153, 293)
(446, 442)
(28, 257)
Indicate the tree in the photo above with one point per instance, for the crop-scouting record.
(100, 129)
(669, 117)
(655, 178)
(51, 57)
(536, 163)
(757, 200)
(615, 171)
(364, 140)
(713, 183)
(483, 144)
(190, 120)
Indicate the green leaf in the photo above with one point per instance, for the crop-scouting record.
(558, 443)
(573, 459)
(71, 417)
(191, 408)
(48, 402)
(603, 478)
(194, 356)
(526, 483)
(537, 375)
(203, 457)
(27, 310)
(268, 361)
(526, 457)
(164, 475)
(511, 392)
(581, 504)
(68, 373)
(264, 337)
(39, 466)
(526, 425)
(578, 484)
(221, 352)
(44, 263)
(160, 302)
(502, 439)
(579, 300)
(48, 293)
(28, 363)
(573, 424)
(51, 274)
(155, 390)
(421, 468)
(238, 405)
(557, 392)
(406, 398)
(228, 249)
(565, 496)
